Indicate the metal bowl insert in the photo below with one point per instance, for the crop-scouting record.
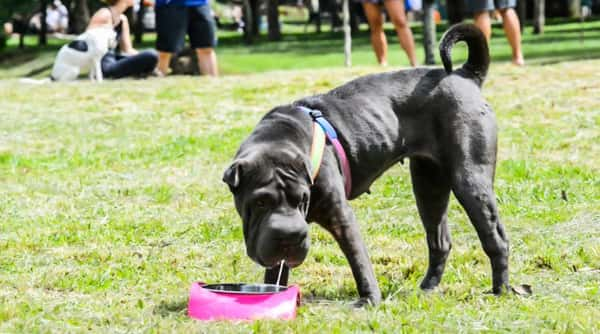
(245, 289)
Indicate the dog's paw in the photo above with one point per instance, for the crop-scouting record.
(367, 301)
(429, 283)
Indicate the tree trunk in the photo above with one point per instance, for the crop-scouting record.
(80, 18)
(249, 22)
(139, 24)
(273, 20)
(318, 12)
(521, 12)
(455, 11)
(539, 16)
(332, 8)
(347, 34)
(429, 39)
(575, 8)
(354, 19)
(255, 5)
(43, 39)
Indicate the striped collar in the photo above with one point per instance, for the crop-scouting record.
(323, 130)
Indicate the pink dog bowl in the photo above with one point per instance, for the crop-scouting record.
(243, 301)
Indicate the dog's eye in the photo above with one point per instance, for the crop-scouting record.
(263, 202)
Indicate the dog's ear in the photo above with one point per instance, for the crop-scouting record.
(233, 175)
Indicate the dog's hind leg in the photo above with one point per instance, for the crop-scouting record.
(431, 187)
(473, 187)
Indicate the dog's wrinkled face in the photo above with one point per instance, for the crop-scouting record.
(272, 199)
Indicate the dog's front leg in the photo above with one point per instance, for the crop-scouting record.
(344, 228)
(98, 71)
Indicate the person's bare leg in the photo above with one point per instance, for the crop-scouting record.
(8, 29)
(512, 29)
(207, 61)
(484, 23)
(395, 9)
(378, 40)
(164, 61)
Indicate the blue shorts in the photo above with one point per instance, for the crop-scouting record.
(477, 6)
(174, 21)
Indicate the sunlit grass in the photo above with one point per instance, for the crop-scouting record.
(111, 205)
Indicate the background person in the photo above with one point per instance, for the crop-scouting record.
(510, 22)
(175, 18)
(57, 17)
(397, 14)
(124, 61)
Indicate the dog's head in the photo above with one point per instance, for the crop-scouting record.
(271, 188)
(100, 40)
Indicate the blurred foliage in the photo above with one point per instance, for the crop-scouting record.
(10, 7)
(28, 7)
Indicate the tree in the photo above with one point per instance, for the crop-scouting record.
(8, 8)
(574, 8)
(273, 20)
(347, 34)
(139, 23)
(42, 39)
(521, 12)
(455, 10)
(539, 16)
(80, 16)
(251, 19)
(429, 39)
(19, 12)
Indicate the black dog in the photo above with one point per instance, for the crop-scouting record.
(436, 118)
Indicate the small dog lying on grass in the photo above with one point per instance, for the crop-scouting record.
(436, 118)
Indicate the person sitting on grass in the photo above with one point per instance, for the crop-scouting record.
(124, 61)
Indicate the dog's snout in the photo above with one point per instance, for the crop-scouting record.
(288, 233)
(292, 238)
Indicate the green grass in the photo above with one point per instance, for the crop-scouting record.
(563, 40)
(111, 205)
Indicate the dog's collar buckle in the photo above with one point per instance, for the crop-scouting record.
(314, 113)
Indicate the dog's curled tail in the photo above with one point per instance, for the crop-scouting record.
(479, 57)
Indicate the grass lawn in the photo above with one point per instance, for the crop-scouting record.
(563, 40)
(111, 205)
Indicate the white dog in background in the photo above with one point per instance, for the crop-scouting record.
(83, 54)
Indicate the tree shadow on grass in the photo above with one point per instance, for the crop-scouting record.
(311, 43)
(559, 56)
